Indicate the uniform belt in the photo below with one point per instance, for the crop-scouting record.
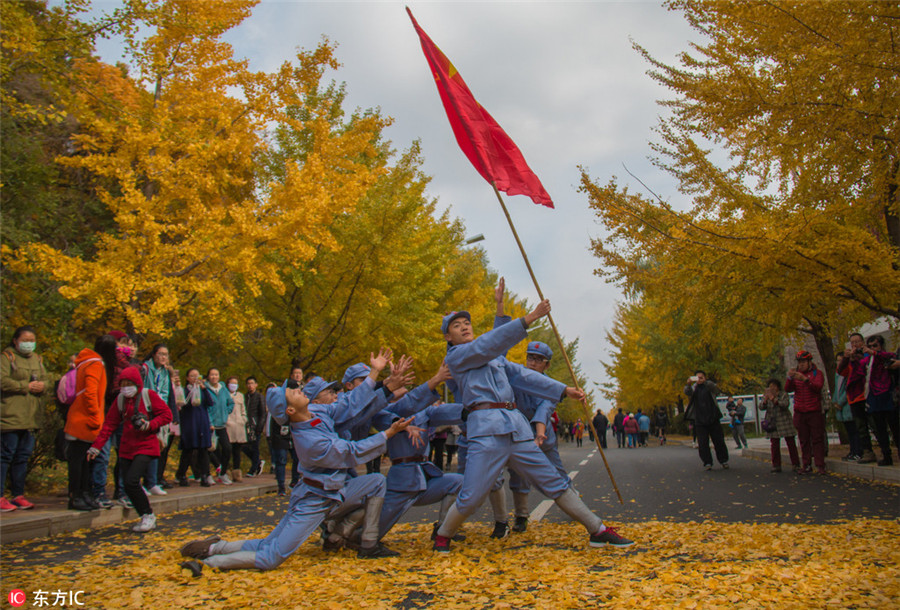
(409, 459)
(486, 405)
(313, 483)
(492, 405)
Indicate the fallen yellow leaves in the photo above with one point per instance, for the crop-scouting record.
(677, 565)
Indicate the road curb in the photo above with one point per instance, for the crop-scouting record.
(45, 523)
(871, 472)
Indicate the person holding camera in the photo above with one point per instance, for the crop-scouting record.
(142, 413)
(704, 410)
(850, 367)
(806, 382)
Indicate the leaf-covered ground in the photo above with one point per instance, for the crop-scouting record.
(675, 565)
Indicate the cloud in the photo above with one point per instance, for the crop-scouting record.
(560, 77)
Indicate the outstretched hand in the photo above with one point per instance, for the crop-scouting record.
(398, 426)
(415, 436)
(381, 360)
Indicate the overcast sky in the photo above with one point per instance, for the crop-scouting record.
(561, 78)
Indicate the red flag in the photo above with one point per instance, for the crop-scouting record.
(491, 151)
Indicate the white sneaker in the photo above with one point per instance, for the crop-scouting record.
(225, 479)
(156, 490)
(210, 480)
(148, 522)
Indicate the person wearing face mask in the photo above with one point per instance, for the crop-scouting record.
(139, 445)
(220, 406)
(158, 375)
(236, 427)
(196, 436)
(100, 466)
(24, 385)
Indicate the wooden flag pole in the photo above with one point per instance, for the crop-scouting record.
(587, 415)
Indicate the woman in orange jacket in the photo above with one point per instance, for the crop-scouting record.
(85, 417)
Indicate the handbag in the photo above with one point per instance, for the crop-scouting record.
(768, 424)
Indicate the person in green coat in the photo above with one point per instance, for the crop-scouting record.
(25, 384)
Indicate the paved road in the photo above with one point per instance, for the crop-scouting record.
(657, 483)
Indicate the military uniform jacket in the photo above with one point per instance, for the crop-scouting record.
(413, 476)
(325, 456)
(482, 375)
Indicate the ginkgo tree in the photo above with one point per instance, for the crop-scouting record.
(783, 137)
(173, 146)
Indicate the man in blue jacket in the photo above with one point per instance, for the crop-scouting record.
(537, 411)
(499, 435)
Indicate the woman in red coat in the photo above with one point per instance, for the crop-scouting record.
(139, 444)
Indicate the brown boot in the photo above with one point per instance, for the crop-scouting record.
(237, 476)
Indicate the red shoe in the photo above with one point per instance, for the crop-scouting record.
(6, 506)
(22, 503)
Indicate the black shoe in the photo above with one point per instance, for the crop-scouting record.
(204, 482)
(78, 503)
(199, 549)
(281, 491)
(521, 524)
(888, 461)
(434, 534)
(609, 537)
(501, 530)
(194, 566)
(183, 482)
(330, 546)
(725, 465)
(90, 501)
(166, 485)
(376, 552)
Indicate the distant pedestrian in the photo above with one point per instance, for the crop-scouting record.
(705, 413)
(578, 432)
(601, 423)
(632, 430)
(619, 428)
(806, 382)
(643, 426)
(738, 412)
(662, 423)
(779, 424)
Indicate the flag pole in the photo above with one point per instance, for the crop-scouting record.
(587, 415)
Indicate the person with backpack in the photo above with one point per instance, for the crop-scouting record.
(94, 369)
(142, 413)
(24, 386)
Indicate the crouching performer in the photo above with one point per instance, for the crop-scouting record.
(325, 489)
